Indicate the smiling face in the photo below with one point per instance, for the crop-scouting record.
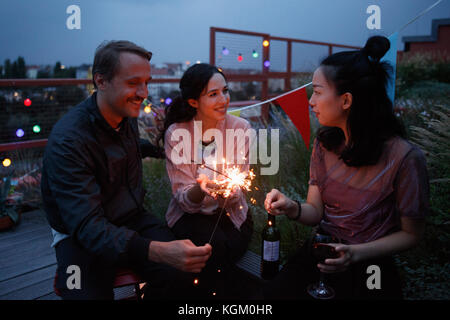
(213, 103)
(124, 93)
(330, 108)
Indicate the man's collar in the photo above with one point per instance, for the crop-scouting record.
(97, 117)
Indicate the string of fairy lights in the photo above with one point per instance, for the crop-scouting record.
(36, 128)
(233, 52)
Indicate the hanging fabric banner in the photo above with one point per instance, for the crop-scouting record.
(296, 106)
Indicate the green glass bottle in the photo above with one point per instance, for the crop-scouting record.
(270, 257)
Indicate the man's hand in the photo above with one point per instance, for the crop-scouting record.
(180, 254)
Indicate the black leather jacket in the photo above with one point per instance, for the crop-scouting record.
(92, 183)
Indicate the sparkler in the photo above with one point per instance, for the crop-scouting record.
(228, 182)
(217, 223)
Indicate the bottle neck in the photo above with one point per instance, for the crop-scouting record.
(270, 220)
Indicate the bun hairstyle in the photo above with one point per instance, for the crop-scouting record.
(371, 120)
(376, 47)
(194, 81)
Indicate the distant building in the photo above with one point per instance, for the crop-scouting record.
(32, 72)
(84, 72)
(438, 42)
(164, 71)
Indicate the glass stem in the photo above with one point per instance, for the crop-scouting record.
(322, 280)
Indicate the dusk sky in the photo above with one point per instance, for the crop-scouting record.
(178, 30)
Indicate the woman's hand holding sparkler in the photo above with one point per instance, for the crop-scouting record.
(207, 185)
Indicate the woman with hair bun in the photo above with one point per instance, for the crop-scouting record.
(368, 186)
(200, 116)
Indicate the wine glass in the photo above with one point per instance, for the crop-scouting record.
(321, 251)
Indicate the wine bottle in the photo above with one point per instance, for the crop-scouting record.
(270, 257)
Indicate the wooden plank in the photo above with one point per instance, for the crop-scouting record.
(30, 249)
(25, 266)
(22, 258)
(27, 279)
(29, 221)
(31, 292)
(21, 237)
(50, 296)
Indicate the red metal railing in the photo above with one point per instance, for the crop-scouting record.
(266, 74)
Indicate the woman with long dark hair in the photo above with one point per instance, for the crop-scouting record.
(368, 186)
(196, 140)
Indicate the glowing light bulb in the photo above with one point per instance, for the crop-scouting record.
(267, 63)
(225, 51)
(255, 54)
(147, 109)
(168, 101)
(266, 43)
(6, 162)
(20, 133)
(36, 129)
(27, 102)
(240, 57)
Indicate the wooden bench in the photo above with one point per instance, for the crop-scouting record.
(251, 263)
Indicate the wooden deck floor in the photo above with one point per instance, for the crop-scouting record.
(27, 262)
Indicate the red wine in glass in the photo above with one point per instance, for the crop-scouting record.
(322, 251)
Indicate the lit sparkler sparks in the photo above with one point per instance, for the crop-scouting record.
(228, 182)
(233, 179)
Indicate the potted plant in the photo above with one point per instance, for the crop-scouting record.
(8, 214)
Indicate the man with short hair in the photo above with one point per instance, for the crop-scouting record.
(93, 193)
